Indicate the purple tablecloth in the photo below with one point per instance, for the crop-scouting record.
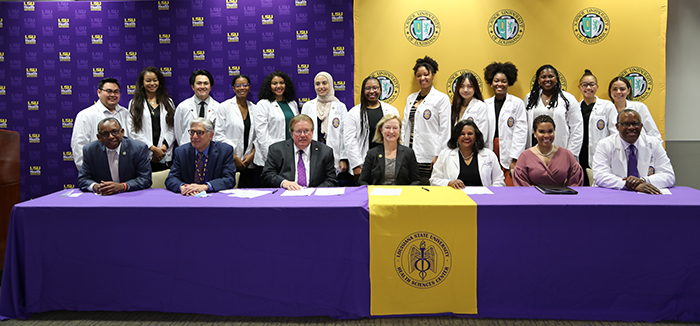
(159, 251)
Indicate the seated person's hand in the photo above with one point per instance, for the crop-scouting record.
(193, 189)
(648, 188)
(107, 188)
(291, 185)
(457, 184)
(632, 182)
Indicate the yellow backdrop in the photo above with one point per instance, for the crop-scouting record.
(611, 38)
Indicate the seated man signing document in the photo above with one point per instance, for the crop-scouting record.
(201, 164)
(299, 162)
(630, 160)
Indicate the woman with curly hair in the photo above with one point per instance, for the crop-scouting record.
(153, 126)
(426, 118)
(275, 108)
(547, 98)
(507, 128)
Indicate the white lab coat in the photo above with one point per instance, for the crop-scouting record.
(610, 162)
(568, 132)
(477, 112)
(146, 134)
(601, 124)
(446, 168)
(187, 111)
(230, 128)
(334, 135)
(433, 125)
(270, 127)
(512, 128)
(85, 127)
(356, 139)
(648, 125)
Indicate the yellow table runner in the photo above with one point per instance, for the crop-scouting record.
(422, 251)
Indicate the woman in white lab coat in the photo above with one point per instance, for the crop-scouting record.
(468, 103)
(328, 114)
(507, 133)
(547, 98)
(599, 118)
(426, 118)
(620, 92)
(361, 123)
(235, 126)
(275, 108)
(151, 117)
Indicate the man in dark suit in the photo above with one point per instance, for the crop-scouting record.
(201, 164)
(114, 163)
(299, 162)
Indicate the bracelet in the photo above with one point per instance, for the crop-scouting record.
(125, 187)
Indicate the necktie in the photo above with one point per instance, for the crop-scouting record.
(199, 171)
(301, 170)
(632, 162)
(201, 109)
(114, 165)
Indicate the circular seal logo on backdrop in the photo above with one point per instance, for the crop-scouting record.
(389, 83)
(423, 260)
(422, 28)
(591, 25)
(641, 82)
(336, 123)
(561, 77)
(427, 114)
(451, 86)
(600, 124)
(506, 27)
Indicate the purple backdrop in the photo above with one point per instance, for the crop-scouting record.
(53, 54)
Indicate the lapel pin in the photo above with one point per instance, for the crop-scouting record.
(380, 155)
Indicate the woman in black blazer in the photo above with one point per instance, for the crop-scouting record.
(392, 163)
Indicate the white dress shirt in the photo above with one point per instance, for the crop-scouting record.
(85, 127)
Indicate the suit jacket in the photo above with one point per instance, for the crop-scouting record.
(134, 165)
(280, 165)
(406, 167)
(221, 171)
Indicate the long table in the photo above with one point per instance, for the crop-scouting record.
(601, 255)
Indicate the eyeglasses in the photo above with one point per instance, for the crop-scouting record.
(110, 91)
(199, 133)
(630, 123)
(371, 88)
(584, 85)
(241, 85)
(105, 134)
(299, 132)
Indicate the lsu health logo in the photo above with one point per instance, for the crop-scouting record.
(64, 56)
(95, 5)
(640, 79)
(198, 55)
(67, 123)
(34, 138)
(338, 85)
(268, 53)
(98, 72)
(32, 72)
(3, 123)
(2, 56)
(337, 17)
(423, 260)
(66, 90)
(96, 39)
(300, 3)
(451, 86)
(129, 22)
(233, 37)
(234, 70)
(3, 90)
(33, 105)
(64, 23)
(338, 51)
(29, 6)
(302, 35)
(303, 69)
(67, 156)
(34, 169)
(166, 71)
(164, 38)
(389, 84)
(197, 21)
(506, 27)
(231, 4)
(422, 28)
(29, 39)
(131, 55)
(130, 89)
(268, 19)
(560, 76)
(164, 5)
(591, 25)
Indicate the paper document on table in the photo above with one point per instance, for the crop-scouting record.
(665, 191)
(477, 191)
(335, 191)
(298, 193)
(247, 193)
(386, 192)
